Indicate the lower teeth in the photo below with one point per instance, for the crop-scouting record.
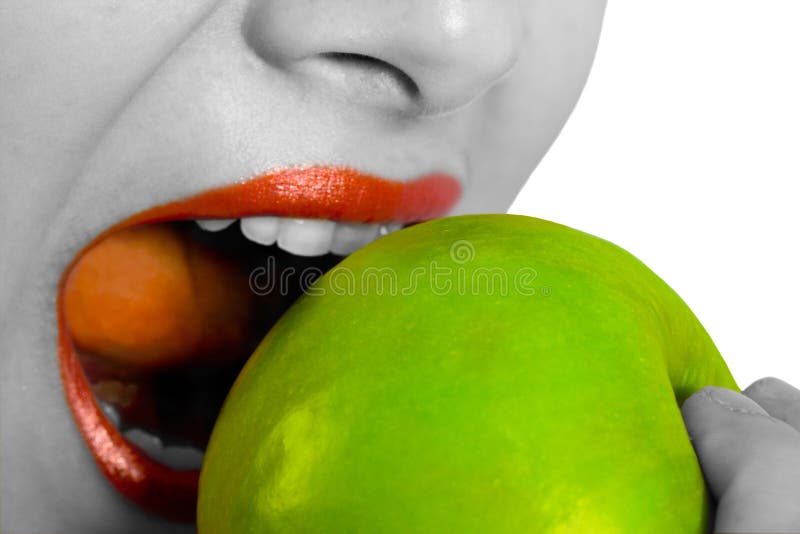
(176, 457)
(182, 458)
(110, 412)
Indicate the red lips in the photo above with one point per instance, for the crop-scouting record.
(336, 193)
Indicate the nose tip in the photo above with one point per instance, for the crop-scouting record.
(430, 55)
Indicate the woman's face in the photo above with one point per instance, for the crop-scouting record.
(109, 108)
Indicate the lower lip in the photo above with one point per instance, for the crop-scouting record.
(336, 193)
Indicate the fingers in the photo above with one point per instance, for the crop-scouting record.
(781, 400)
(751, 461)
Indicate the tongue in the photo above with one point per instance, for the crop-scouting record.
(163, 318)
(150, 298)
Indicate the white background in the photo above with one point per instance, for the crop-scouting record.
(685, 150)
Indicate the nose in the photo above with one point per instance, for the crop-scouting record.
(432, 56)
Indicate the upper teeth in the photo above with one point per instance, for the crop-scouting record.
(305, 237)
(215, 225)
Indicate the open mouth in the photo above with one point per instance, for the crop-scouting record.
(158, 314)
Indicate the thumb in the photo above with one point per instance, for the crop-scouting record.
(724, 427)
(751, 461)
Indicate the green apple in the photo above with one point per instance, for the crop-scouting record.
(490, 373)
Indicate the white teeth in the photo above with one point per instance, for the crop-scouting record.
(144, 440)
(388, 228)
(181, 458)
(306, 237)
(110, 412)
(349, 237)
(263, 230)
(214, 225)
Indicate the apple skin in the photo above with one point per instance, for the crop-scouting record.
(448, 411)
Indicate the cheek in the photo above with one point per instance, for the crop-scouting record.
(523, 114)
(74, 65)
(554, 63)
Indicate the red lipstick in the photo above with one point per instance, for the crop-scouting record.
(336, 193)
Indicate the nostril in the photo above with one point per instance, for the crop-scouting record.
(377, 67)
(360, 79)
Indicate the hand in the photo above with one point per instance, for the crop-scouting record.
(749, 449)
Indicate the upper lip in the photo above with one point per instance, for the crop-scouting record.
(337, 193)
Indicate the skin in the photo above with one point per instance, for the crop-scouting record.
(749, 449)
(110, 108)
